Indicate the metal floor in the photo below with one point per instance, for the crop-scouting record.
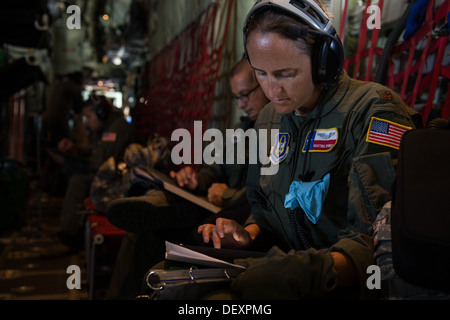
(24, 275)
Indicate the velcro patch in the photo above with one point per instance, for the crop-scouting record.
(385, 132)
(109, 137)
(321, 140)
(280, 149)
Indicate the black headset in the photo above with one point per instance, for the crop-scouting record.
(101, 106)
(328, 53)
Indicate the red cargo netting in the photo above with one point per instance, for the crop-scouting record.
(415, 66)
(423, 68)
(180, 81)
(367, 49)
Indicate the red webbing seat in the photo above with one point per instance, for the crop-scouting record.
(102, 240)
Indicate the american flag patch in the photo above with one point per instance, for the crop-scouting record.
(109, 136)
(385, 132)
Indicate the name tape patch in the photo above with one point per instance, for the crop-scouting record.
(321, 140)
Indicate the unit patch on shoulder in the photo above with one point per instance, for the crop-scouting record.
(321, 140)
(386, 96)
(109, 137)
(280, 150)
(385, 132)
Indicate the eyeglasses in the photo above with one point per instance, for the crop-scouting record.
(244, 97)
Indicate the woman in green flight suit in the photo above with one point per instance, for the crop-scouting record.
(337, 143)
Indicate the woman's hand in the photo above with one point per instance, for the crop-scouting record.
(226, 234)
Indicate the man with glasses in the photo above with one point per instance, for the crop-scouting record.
(158, 216)
(247, 96)
(247, 93)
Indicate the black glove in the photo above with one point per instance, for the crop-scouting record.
(295, 275)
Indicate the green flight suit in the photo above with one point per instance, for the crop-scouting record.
(110, 142)
(232, 174)
(361, 168)
(140, 251)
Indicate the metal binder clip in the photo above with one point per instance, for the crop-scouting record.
(150, 285)
(190, 273)
(226, 274)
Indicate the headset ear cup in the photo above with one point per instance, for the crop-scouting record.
(102, 108)
(99, 110)
(335, 60)
(327, 60)
(319, 60)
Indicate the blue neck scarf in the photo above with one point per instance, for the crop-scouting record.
(309, 195)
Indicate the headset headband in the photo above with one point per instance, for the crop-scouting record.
(328, 54)
(301, 9)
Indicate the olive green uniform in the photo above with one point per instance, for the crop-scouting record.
(361, 169)
(111, 142)
(141, 250)
(233, 174)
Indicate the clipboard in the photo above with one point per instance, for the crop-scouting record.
(208, 256)
(169, 184)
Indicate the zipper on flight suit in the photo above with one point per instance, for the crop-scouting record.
(298, 145)
(300, 238)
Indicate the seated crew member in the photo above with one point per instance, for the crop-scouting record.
(109, 134)
(335, 169)
(157, 216)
